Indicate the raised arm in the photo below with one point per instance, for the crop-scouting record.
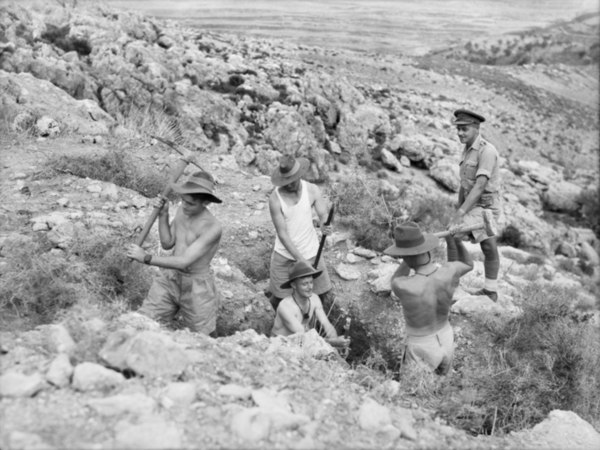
(165, 231)
(459, 256)
(319, 203)
(281, 227)
(202, 245)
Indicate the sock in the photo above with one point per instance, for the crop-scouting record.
(491, 285)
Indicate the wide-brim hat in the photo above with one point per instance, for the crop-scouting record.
(198, 183)
(466, 117)
(290, 169)
(410, 241)
(300, 270)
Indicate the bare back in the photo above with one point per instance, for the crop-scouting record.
(201, 234)
(426, 300)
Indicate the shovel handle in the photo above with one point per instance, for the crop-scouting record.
(322, 243)
(177, 172)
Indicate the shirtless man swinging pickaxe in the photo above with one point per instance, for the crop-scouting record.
(186, 285)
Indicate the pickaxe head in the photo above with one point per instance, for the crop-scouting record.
(489, 224)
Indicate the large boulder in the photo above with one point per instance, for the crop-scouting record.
(146, 353)
(562, 197)
(22, 93)
(446, 172)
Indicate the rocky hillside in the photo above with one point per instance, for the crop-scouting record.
(90, 85)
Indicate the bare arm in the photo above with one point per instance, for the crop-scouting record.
(324, 321)
(210, 235)
(319, 203)
(165, 231)
(458, 254)
(281, 227)
(290, 321)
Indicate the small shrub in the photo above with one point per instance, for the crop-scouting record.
(111, 275)
(368, 216)
(590, 209)
(114, 166)
(39, 284)
(511, 236)
(59, 36)
(542, 360)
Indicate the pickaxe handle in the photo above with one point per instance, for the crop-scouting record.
(322, 243)
(487, 223)
(465, 229)
(175, 174)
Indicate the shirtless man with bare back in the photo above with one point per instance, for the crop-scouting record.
(426, 296)
(186, 285)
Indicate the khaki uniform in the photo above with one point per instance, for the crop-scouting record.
(481, 159)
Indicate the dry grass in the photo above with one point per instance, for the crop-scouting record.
(114, 166)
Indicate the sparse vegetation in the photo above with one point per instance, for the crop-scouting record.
(115, 166)
(371, 216)
(42, 284)
(512, 372)
(39, 284)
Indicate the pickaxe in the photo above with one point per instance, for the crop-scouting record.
(487, 224)
(187, 157)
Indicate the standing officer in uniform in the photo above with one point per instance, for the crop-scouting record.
(479, 185)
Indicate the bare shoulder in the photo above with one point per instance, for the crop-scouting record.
(274, 199)
(402, 284)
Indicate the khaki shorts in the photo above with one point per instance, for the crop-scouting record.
(280, 273)
(434, 351)
(474, 216)
(193, 295)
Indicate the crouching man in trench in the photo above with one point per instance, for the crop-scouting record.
(300, 311)
(426, 296)
(185, 284)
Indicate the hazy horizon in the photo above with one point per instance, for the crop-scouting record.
(406, 26)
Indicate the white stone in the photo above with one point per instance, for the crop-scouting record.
(347, 272)
(89, 376)
(146, 353)
(235, 391)
(372, 416)
(135, 403)
(364, 252)
(178, 394)
(16, 384)
(60, 371)
(58, 339)
(251, 424)
(562, 429)
(152, 434)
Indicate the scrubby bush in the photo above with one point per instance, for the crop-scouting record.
(59, 36)
(590, 208)
(371, 216)
(111, 275)
(115, 166)
(38, 284)
(543, 359)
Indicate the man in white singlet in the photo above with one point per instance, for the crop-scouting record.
(290, 205)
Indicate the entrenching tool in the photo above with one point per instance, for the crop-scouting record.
(487, 224)
(187, 157)
(322, 243)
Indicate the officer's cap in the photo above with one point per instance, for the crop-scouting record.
(466, 117)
